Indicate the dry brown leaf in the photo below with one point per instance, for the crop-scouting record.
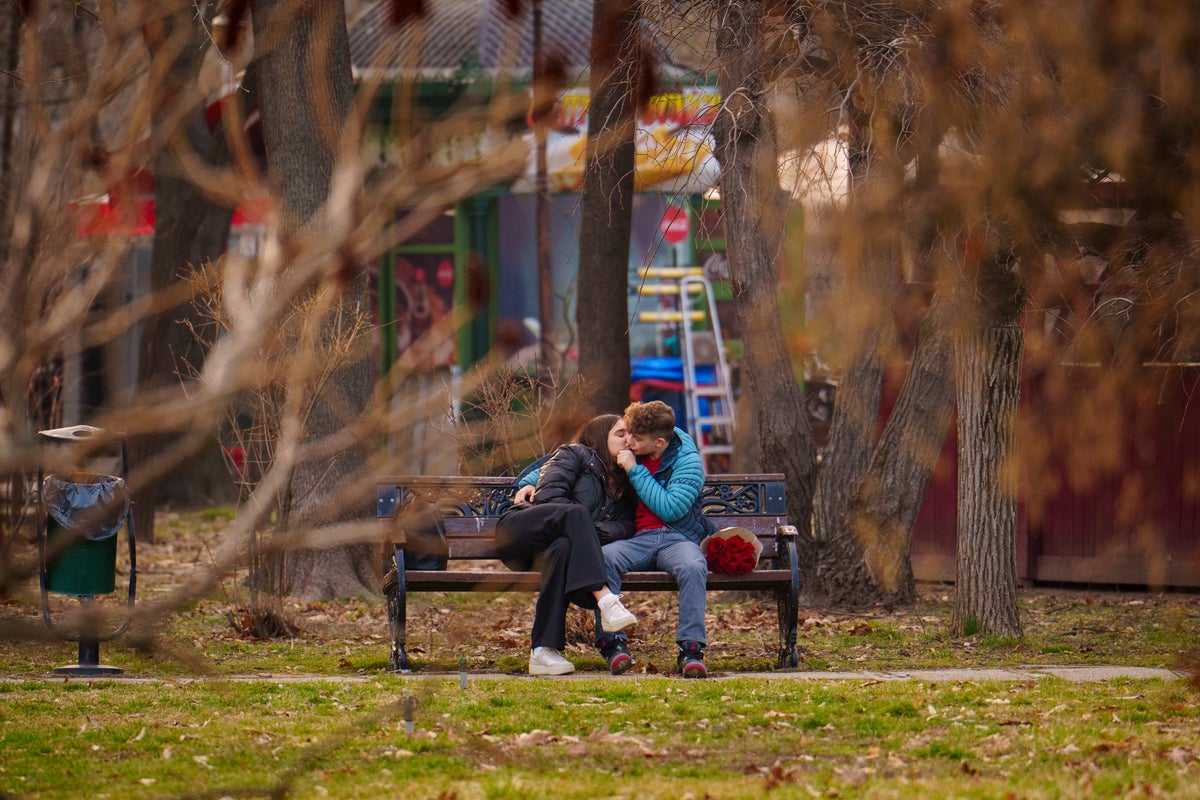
(1180, 755)
(534, 737)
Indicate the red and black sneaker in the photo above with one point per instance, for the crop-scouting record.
(691, 660)
(617, 656)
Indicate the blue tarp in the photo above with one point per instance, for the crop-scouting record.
(668, 368)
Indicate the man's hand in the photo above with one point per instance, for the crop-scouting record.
(626, 459)
(524, 495)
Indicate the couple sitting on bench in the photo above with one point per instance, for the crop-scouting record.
(623, 496)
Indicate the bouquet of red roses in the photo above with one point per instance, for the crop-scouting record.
(733, 551)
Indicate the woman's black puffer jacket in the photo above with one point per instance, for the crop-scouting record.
(574, 474)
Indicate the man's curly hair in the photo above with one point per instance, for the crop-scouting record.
(654, 419)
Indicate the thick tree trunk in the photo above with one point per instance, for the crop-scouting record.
(851, 442)
(10, 92)
(602, 310)
(305, 98)
(866, 559)
(866, 325)
(325, 491)
(746, 150)
(189, 232)
(306, 94)
(987, 364)
(847, 453)
(871, 564)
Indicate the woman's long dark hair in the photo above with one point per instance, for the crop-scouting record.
(593, 435)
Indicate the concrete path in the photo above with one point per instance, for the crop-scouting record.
(1079, 674)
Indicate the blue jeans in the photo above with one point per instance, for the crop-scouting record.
(672, 552)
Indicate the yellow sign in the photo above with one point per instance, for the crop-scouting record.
(695, 105)
(674, 148)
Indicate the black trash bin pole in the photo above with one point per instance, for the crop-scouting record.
(80, 516)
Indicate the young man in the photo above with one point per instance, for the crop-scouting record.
(667, 473)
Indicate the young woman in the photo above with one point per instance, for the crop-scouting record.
(582, 500)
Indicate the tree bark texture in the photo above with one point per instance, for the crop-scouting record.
(10, 93)
(866, 559)
(602, 305)
(871, 563)
(851, 441)
(987, 362)
(848, 450)
(746, 150)
(305, 98)
(189, 231)
(869, 263)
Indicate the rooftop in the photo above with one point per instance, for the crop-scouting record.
(456, 35)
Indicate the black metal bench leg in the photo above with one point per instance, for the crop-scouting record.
(397, 613)
(789, 609)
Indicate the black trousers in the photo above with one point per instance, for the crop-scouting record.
(560, 540)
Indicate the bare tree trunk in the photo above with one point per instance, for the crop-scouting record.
(851, 442)
(10, 21)
(866, 325)
(866, 557)
(602, 305)
(871, 564)
(189, 232)
(746, 150)
(320, 487)
(987, 361)
(305, 99)
(541, 213)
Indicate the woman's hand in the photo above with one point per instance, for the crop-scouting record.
(523, 495)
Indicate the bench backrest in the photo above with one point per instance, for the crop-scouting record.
(470, 506)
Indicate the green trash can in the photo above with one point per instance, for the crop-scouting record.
(81, 515)
(84, 513)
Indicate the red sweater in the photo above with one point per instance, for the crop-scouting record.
(645, 519)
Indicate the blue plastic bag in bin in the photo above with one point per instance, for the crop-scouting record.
(90, 505)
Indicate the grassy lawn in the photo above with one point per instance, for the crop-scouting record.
(643, 737)
(343, 733)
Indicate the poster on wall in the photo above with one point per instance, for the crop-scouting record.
(424, 296)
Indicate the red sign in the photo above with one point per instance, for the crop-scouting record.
(445, 274)
(675, 225)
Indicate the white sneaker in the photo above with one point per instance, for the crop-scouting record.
(548, 661)
(614, 616)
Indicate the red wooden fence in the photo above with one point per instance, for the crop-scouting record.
(1110, 487)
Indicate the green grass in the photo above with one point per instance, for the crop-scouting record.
(650, 737)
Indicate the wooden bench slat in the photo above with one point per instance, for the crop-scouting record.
(504, 581)
(467, 496)
(480, 548)
(443, 481)
(761, 525)
(473, 537)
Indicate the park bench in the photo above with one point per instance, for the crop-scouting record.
(470, 507)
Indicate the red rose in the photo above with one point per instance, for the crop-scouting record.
(739, 556)
(713, 553)
(732, 556)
